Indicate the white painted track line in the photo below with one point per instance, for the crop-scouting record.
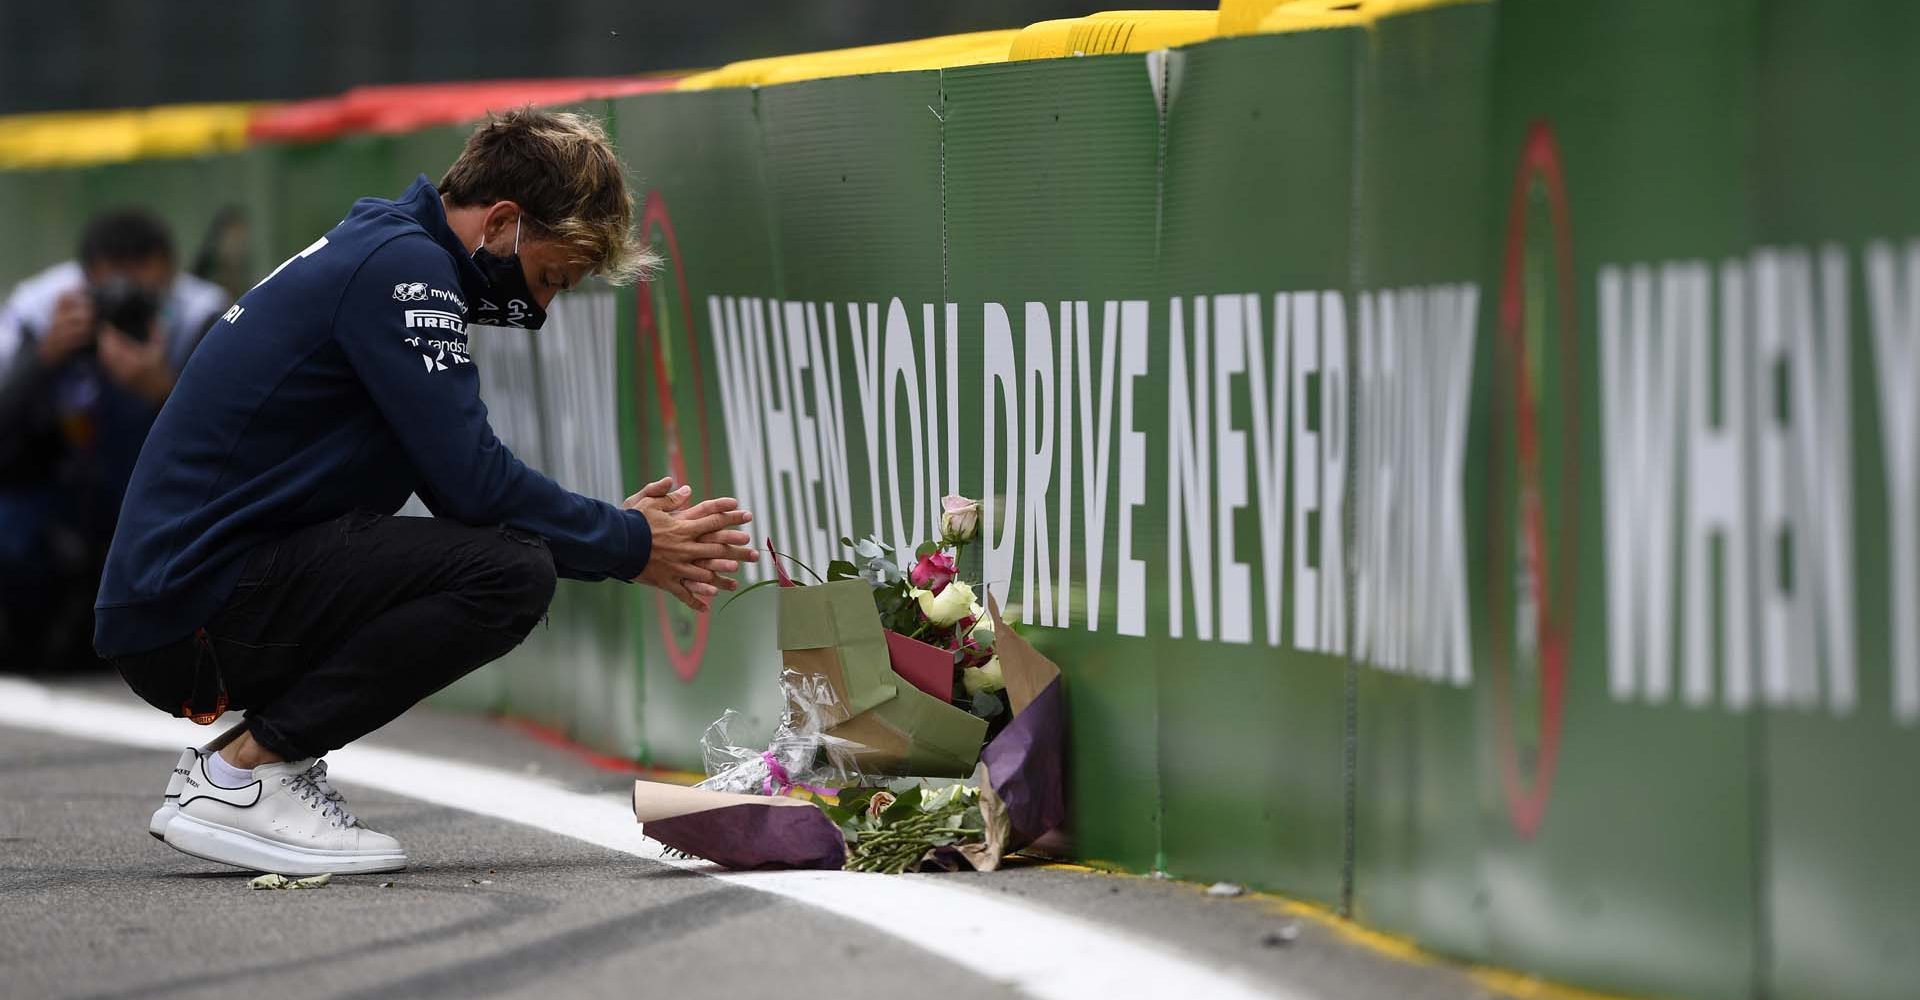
(1039, 952)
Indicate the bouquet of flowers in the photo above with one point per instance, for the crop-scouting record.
(890, 832)
(938, 635)
(879, 660)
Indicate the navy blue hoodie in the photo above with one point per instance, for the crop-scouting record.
(340, 382)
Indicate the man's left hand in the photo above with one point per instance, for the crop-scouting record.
(140, 368)
(661, 495)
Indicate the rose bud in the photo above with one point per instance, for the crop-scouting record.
(959, 518)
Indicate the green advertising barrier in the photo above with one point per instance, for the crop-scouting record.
(1620, 178)
(698, 162)
(46, 207)
(1422, 808)
(1256, 254)
(1050, 194)
(186, 194)
(314, 184)
(1832, 362)
(1463, 461)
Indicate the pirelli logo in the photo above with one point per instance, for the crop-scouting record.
(435, 319)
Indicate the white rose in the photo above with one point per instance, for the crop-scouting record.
(982, 631)
(952, 603)
(987, 678)
(943, 798)
(959, 518)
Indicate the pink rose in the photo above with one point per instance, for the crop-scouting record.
(959, 518)
(934, 571)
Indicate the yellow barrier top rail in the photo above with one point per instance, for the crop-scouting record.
(1247, 17)
(65, 139)
(943, 52)
(73, 139)
(1103, 33)
(1114, 31)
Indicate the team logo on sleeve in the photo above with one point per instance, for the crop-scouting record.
(410, 291)
(435, 319)
(445, 340)
(438, 353)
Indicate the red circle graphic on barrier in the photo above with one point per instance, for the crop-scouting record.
(1541, 576)
(650, 359)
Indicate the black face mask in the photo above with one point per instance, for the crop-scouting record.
(508, 301)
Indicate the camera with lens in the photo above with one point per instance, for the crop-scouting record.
(126, 307)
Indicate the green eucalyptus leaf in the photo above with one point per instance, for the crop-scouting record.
(987, 705)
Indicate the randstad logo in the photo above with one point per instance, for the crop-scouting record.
(444, 352)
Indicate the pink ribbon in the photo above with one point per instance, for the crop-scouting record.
(777, 774)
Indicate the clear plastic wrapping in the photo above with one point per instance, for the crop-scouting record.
(801, 754)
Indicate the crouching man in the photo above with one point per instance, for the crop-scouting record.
(258, 564)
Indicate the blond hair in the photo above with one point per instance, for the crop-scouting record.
(561, 170)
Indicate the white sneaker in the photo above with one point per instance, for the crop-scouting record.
(170, 802)
(288, 820)
(318, 775)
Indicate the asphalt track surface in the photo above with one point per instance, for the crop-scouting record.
(95, 908)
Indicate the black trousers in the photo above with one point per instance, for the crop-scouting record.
(336, 629)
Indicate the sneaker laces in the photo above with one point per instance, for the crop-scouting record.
(314, 789)
(318, 772)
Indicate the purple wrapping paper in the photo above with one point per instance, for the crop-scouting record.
(1025, 767)
(749, 837)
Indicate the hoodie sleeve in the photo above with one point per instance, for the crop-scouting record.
(405, 337)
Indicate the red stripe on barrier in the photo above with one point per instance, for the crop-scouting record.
(403, 108)
(559, 740)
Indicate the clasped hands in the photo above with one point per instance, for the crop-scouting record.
(694, 548)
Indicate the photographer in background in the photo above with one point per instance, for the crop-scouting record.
(89, 349)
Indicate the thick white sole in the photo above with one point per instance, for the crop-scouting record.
(228, 846)
(162, 817)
